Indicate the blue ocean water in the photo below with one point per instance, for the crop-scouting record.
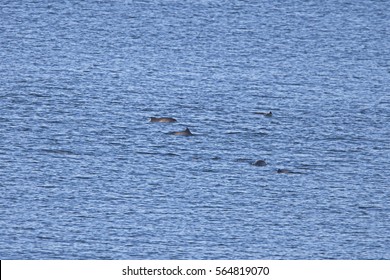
(85, 175)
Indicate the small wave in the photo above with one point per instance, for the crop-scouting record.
(146, 153)
(171, 154)
(156, 153)
(59, 152)
(233, 132)
(246, 160)
(47, 186)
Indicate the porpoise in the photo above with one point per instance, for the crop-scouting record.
(269, 114)
(185, 132)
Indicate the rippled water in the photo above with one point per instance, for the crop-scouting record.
(84, 175)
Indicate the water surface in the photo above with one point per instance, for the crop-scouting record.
(84, 175)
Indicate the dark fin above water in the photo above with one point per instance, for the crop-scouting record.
(185, 132)
(259, 162)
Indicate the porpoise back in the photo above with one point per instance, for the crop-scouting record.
(185, 132)
(269, 114)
